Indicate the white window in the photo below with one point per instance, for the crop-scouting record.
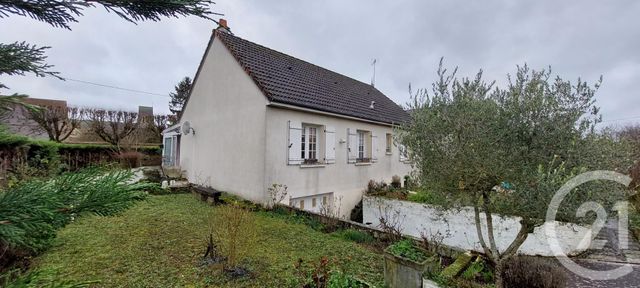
(311, 144)
(362, 153)
(314, 203)
(389, 141)
(362, 146)
(170, 151)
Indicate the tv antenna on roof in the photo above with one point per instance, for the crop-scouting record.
(373, 79)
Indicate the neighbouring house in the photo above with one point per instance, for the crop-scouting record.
(256, 117)
(18, 122)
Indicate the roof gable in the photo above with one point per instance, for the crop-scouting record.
(288, 80)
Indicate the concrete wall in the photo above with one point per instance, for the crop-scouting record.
(345, 180)
(227, 111)
(459, 227)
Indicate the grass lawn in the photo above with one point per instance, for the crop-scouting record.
(160, 242)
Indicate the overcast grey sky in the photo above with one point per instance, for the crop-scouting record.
(578, 38)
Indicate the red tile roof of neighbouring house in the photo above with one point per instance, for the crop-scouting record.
(288, 80)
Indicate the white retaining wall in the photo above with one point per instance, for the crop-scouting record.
(458, 227)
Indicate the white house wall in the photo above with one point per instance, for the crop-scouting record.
(227, 111)
(346, 181)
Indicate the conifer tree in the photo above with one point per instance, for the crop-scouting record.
(179, 97)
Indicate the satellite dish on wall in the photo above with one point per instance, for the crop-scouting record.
(186, 128)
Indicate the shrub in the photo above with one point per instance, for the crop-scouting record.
(32, 211)
(396, 182)
(315, 274)
(339, 279)
(356, 213)
(478, 271)
(292, 216)
(426, 197)
(355, 236)
(407, 182)
(235, 234)
(533, 272)
(406, 249)
(277, 194)
(374, 187)
(130, 159)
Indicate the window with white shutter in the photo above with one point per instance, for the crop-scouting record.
(360, 148)
(352, 145)
(295, 143)
(330, 145)
(311, 144)
(374, 148)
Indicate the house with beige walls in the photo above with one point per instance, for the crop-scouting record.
(256, 116)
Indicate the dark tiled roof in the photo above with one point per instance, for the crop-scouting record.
(289, 80)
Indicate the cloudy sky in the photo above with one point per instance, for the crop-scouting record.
(578, 38)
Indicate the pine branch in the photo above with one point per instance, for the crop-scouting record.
(55, 12)
(20, 58)
(135, 11)
(61, 13)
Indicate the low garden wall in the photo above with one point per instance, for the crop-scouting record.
(456, 227)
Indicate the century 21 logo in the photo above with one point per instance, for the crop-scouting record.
(623, 221)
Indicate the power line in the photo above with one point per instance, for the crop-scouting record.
(116, 87)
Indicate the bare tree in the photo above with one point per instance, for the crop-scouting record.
(57, 122)
(156, 125)
(112, 126)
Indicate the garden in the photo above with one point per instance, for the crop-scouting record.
(161, 242)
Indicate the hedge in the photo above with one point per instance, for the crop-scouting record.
(44, 158)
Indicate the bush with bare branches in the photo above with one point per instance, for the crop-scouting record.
(235, 234)
(112, 126)
(57, 122)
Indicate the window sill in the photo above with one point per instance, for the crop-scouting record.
(312, 165)
(388, 153)
(363, 164)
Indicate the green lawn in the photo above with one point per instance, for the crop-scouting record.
(160, 241)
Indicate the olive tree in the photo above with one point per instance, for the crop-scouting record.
(508, 150)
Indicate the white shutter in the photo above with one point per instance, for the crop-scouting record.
(403, 153)
(294, 143)
(374, 148)
(352, 145)
(330, 145)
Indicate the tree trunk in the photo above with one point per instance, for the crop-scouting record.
(498, 273)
